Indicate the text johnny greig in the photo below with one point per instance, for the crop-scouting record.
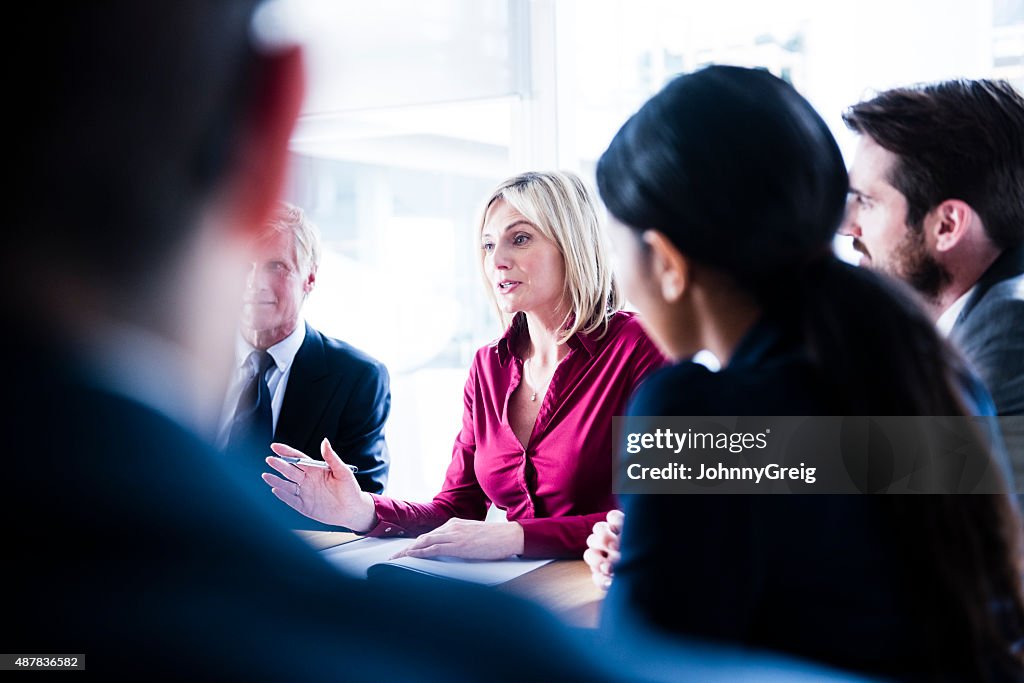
(733, 442)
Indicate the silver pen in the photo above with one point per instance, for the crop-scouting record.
(310, 462)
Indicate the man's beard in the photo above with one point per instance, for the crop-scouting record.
(912, 263)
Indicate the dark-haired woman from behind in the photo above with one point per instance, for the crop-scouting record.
(726, 189)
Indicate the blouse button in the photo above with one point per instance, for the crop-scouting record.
(387, 530)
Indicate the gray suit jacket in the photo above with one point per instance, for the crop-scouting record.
(990, 333)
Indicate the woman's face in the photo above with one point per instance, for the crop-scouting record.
(523, 266)
(667, 322)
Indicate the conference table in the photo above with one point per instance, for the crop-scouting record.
(562, 586)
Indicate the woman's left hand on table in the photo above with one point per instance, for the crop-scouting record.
(469, 540)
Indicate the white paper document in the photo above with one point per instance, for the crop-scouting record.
(357, 557)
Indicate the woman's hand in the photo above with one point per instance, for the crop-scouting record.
(603, 549)
(469, 540)
(329, 495)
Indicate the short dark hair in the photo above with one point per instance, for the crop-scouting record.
(122, 119)
(958, 139)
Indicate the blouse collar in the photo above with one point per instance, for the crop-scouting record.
(509, 343)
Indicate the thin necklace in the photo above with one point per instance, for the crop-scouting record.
(526, 371)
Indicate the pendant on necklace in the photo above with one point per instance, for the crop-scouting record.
(533, 396)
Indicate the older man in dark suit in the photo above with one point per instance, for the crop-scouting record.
(937, 200)
(292, 383)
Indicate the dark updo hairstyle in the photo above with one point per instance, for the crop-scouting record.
(743, 176)
(729, 156)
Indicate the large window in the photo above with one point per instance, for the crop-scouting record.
(413, 114)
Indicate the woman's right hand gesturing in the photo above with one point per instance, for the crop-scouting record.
(327, 494)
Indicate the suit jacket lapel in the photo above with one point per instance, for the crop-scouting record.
(1009, 264)
(306, 395)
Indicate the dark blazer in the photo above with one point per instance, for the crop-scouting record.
(824, 577)
(138, 547)
(990, 333)
(338, 392)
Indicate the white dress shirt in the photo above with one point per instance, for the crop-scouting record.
(283, 354)
(948, 318)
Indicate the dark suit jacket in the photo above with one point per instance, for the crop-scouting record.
(990, 332)
(338, 392)
(132, 543)
(824, 577)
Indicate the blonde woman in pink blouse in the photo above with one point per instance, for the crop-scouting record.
(538, 405)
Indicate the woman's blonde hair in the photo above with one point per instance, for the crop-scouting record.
(564, 210)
